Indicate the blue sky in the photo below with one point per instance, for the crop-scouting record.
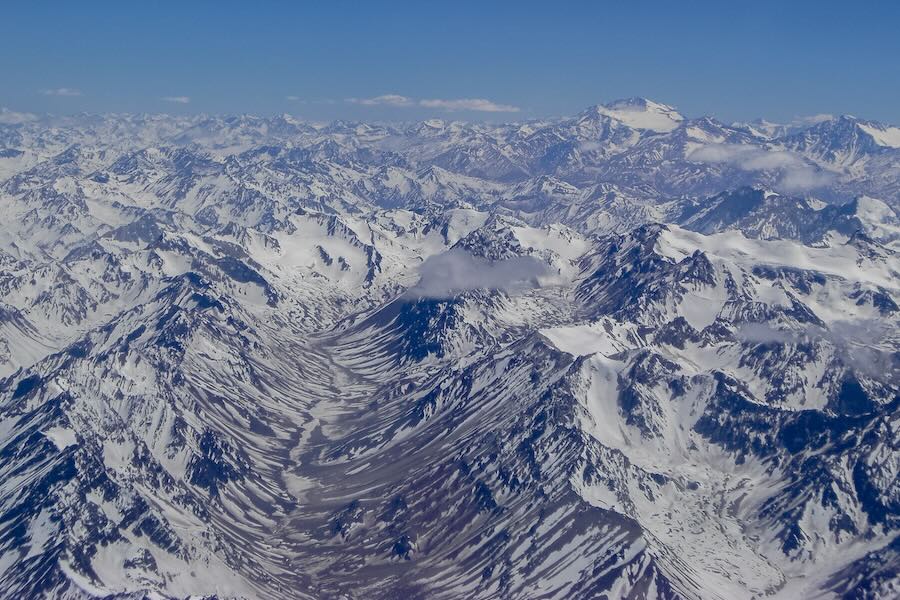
(734, 60)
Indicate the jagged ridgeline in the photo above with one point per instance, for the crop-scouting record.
(626, 354)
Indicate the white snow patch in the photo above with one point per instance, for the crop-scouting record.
(61, 437)
(648, 115)
(888, 136)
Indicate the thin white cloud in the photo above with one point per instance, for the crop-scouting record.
(456, 271)
(745, 157)
(63, 91)
(177, 99)
(805, 178)
(476, 104)
(471, 104)
(796, 174)
(385, 100)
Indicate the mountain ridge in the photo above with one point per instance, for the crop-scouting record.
(259, 358)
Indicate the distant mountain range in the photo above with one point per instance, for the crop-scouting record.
(625, 354)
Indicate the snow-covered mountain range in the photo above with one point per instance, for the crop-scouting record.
(626, 354)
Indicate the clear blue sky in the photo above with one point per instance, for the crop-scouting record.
(734, 60)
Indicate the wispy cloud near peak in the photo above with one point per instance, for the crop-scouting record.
(177, 99)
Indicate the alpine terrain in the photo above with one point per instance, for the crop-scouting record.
(624, 354)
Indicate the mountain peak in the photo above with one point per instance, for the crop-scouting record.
(639, 113)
